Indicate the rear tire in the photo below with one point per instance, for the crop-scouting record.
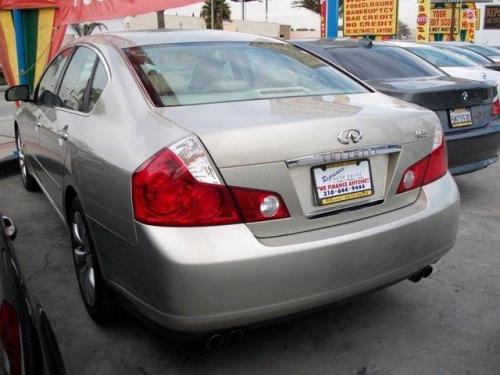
(96, 294)
(29, 183)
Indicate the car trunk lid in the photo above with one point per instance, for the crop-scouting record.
(444, 95)
(276, 144)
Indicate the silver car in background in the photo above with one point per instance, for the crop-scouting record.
(219, 180)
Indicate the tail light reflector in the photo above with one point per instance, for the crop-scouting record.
(179, 186)
(428, 169)
(10, 337)
(495, 107)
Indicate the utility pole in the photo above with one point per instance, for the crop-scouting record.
(453, 20)
(267, 10)
(212, 6)
(161, 19)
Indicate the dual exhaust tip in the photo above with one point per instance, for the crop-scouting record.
(221, 338)
(422, 274)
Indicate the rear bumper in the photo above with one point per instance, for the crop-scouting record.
(473, 150)
(212, 278)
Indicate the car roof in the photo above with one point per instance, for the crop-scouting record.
(454, 43)
(341, 42)
(124, 39)
(402, 44)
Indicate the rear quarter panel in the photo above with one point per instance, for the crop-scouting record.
(120, 133)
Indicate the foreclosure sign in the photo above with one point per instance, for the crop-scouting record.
(370, 17)
(492, 17)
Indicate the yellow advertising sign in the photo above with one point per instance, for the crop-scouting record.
(370, 17)
(471, 24)
(423, 16)
(440, 22)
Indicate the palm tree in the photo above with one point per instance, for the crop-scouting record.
(222, 13)
(87, 28)
(314, 5)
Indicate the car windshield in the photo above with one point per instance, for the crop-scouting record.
(471, 55)
(441, 58)
(383, 62)
(211, 72)
(483, 50)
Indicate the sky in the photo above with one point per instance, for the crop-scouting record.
(280, 11)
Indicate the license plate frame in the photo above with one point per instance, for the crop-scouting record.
(455, 113)
(349, 195)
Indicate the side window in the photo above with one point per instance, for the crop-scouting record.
(46, 92)
(76, 79)
(98, 84)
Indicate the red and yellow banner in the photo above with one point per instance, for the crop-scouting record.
(31, 31)
(370, 17)
(423, 17)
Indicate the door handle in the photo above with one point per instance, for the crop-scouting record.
(63, 134)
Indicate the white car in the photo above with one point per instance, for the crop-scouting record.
(452, 63)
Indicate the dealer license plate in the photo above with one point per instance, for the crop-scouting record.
(343, 181)
(460, 117)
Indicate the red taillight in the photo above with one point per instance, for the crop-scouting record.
(495, 107)
(426, 170)
(258, 205)
(165, 193)
(10, 336)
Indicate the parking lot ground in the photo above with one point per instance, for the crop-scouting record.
(447, 324)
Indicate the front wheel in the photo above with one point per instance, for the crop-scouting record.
(27, 179)
(96, 294)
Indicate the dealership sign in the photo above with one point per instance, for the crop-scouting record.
(440, 21)
(370, 17)
(492, 17)
(423, 16)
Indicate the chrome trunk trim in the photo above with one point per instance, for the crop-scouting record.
(330, 157)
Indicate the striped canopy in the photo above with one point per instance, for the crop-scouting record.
(31, 31)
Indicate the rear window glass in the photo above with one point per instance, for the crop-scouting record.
(199, 73)
(471, 55)
(483, 50)
(441, 58)
(382, 62)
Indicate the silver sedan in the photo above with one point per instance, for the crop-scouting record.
(220, 180)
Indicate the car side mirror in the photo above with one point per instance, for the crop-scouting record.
(10, 229)
(18, 93)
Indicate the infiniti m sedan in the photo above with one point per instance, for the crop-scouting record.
(215, 181)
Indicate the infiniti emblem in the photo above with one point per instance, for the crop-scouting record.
(465, 96)
(347, 136)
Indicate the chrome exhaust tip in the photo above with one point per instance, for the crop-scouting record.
(422, 274)
(235, 336)
(214, 341)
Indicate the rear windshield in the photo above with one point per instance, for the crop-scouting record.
(382, 62)
(483, 50)
(200, 73)
(471, 55)
(441, 58)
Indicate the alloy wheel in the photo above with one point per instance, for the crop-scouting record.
(83, 259)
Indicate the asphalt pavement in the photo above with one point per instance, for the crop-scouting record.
(447, 324)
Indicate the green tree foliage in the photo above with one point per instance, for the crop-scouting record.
(222, 13)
